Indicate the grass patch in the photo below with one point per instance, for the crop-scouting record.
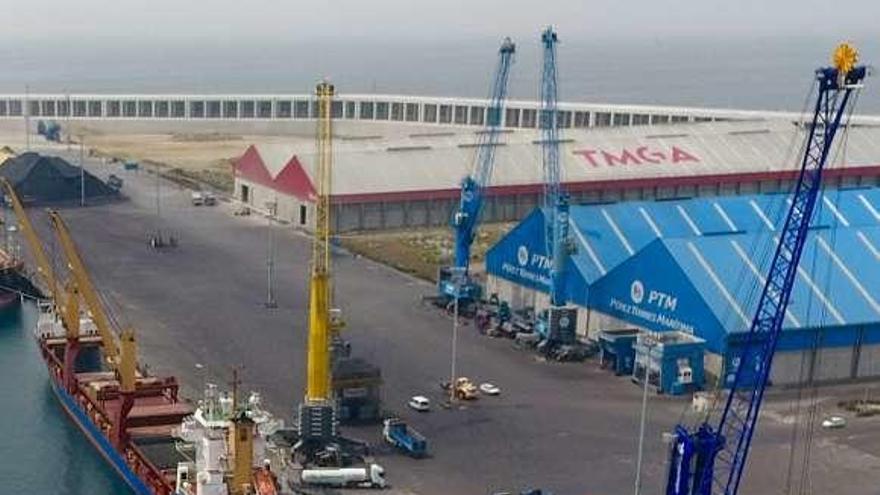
(421, 252)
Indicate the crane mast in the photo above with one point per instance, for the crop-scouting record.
(64, 299)
(466, 218)
(555, 202)
(318, 389)
(557, 326)
(44, 267)
(317, 418)
(120, 355)
(711, 459)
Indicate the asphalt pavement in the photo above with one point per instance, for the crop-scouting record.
(199, 311)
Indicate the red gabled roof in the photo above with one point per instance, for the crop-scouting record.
(292, 179)
(251, 167)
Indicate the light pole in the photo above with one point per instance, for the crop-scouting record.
(649, 341)
(82, 173)
(158, 191)
(27, 117)
(271, 207)
(67, 118)
(456, 277)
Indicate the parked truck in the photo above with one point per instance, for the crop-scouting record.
(399, 434)
(370, 476)
(50, 130)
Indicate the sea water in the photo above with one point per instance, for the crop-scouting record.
(41, 451)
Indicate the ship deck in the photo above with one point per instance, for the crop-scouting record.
(149, 445)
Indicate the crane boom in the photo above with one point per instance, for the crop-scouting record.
(711, 459)
(86, 289)
(317, 413)
(466, 218)
(555, 202)
(318, 389)
(44, 267)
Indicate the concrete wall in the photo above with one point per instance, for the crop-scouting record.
(829, 364)
(381, 215)
(869, 361)
(289, 208)
(826, 364)
(589, 322)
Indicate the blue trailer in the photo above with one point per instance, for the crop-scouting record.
(397, 433)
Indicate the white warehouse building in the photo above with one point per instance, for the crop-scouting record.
(407, 180)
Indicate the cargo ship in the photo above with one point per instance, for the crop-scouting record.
(156, 442)
(13, 283)
(132, 430)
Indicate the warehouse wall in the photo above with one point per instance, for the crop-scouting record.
(290, 209)
(380, 215)
(589, 323)
(868, 364)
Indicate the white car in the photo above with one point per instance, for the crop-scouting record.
(834, 422)
(420, 403)
(489, 389)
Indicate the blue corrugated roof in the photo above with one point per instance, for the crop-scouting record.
(838, 281)
(608, 234)
(700, 263)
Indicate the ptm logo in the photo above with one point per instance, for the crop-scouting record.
(662, 300)
(637, 291)
(522, 255)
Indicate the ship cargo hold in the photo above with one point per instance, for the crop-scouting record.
(132, 431)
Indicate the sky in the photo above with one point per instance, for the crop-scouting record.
(266, 20)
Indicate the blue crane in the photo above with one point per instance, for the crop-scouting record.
(710, 459)
(555, 202)
(466, 218)
(557, 325)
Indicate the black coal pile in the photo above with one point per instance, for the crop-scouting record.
(39, 179)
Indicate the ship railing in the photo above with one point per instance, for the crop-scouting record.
(147, 472)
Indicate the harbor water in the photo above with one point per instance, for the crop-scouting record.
(41, 451)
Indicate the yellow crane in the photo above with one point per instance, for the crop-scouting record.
(317, 422)
(44, 267)
(122, 355)
(119, 355)
(319, 286)
(65, 301)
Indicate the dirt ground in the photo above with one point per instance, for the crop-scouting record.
(421, 252)
(196, 159)
(205, 158)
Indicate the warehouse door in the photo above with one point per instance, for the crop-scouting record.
(245, 194)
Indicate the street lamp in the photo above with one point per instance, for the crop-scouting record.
(457, 277)
(82, 172)
(649, 340)
(271, 208)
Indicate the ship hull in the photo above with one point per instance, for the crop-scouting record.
(79, 418)
(9, 300)
(95, 404)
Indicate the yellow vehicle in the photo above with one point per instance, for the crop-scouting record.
(464, 388)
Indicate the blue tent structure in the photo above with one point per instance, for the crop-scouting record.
(697, 265)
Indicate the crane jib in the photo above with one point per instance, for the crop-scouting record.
(711, 459)
(466, 217)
